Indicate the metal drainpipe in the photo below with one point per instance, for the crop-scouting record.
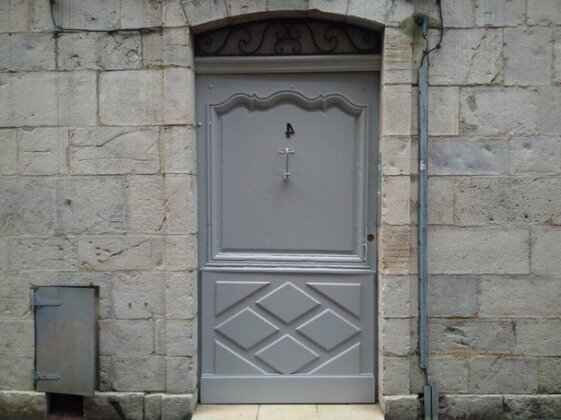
(430, 391)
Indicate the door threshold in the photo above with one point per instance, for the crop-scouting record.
(288, 412)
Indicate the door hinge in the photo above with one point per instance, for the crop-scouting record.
(37, 302)
(39, 376)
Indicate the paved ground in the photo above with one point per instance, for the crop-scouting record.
(288, 412)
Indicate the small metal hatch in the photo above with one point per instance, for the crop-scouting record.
(65, 339)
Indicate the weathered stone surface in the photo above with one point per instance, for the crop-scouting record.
(153, 406)
(139, 373)
(14, 16)
(26, 206)
(495, 111)
(468, 57)
(22, 405)
(519, 296)
(181, 295)
(549, 99)
(400, 407)
(496, 375)
(177, 47)
(37, 98)
(535, 155)
(95, 14)
(396, 200)
(461, 336)
(459, 14)
(24, 52)
(557, 56)
(179, 151)
(180, 252)
(274, 5)
(452, 296)
(241, 7)
(396, 113)
(99, 51)
(397, 297)
(9, 155)
(173, 14)
(99, 407)
(533, 406)
(42, 151)
(199, 12)
(538, 338)
(179, 406)
(397, 48)
(546, 254)
(331, 6)
(41, 16)
(473, 407)
(395, 155)
(508, 200)
(394, 375)
(121, 253)
(180, 337)
(549, 372)
(544, 12)
(108, 150)
(91, 205)
(152, 50)
(3, 254)
(500, 12)
(444, 111)
(44, 254)
(478, 250)
(126, 337)
(17, 338)
(397, 255)
(181, 204)
(528, 56)
(441, 201)
(449, 374)
(132, 97)
(395, 336)
(145, 204)
(105, 373)
(138, 295)
(15, 372)
(181, 374)
(179, 88)
(140, 13)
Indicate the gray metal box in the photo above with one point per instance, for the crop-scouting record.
(65, 339)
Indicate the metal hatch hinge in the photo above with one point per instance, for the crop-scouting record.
(39, 376)
(37, 302)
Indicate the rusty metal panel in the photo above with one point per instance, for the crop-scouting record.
(65, 339)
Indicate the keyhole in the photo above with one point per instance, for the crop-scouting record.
(370, 237)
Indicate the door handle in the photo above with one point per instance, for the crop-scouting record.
(287, 151)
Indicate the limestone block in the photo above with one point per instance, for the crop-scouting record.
(468, 57)
(242, 7)
(152, 50)
(467, 336)
(17, 338)
(121, 253)
(27, 206)
(399, 12)
(396, 297)
(153, 406)
(339, 7)
(459, 14)
(398, 60)
(179, 96)
(105, 373)
(500, 12)
(131, 97)
(273, 5)
(145, 203)
(139, 373)
(181, 338)
(538, 338)
(396, 200)
(478, 250)
(373, 11)
(140, 13)
(3, 254)
(180, 252)
(181, 204)
(549, 372)
(126, 337)
(44, 254)
(528, 56)
(42, 151)
(41, 16)
(449, 374)
(519, 296)
(99, 51)
(441, 201)
(179, 406)
(138, 295)
(8, 152)
(43, 98)
(108, 150)
(473, 406)
(173, 14)
(181, 295)
(546, 254)
(396, 112)
(544, 12)
(91, 205)
(533, 406)
(400, 407)
(497, 375)
(395, 155)
(557, 56)
(395, 336)
(15, 373)
(14, 16)
(179, 150)
(95, 14)
(549, 101)
(199, 11)
(444, 111)
(177, 47)
(494, 111)
(181, 374)
(452, 296)
(534, 155)
(25, 52)
(22, 405)
(99, 407)
(394, 375)
(512, 200)
(397, 254)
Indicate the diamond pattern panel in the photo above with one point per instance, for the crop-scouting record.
(288, 302)
(328, 329)
(286, 355)
(247, 328)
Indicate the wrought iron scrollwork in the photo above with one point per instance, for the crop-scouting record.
(288, 37)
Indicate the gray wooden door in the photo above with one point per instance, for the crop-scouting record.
(287, 190)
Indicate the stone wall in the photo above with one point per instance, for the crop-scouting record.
(98, 186)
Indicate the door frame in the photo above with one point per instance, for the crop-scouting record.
(293, 64)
